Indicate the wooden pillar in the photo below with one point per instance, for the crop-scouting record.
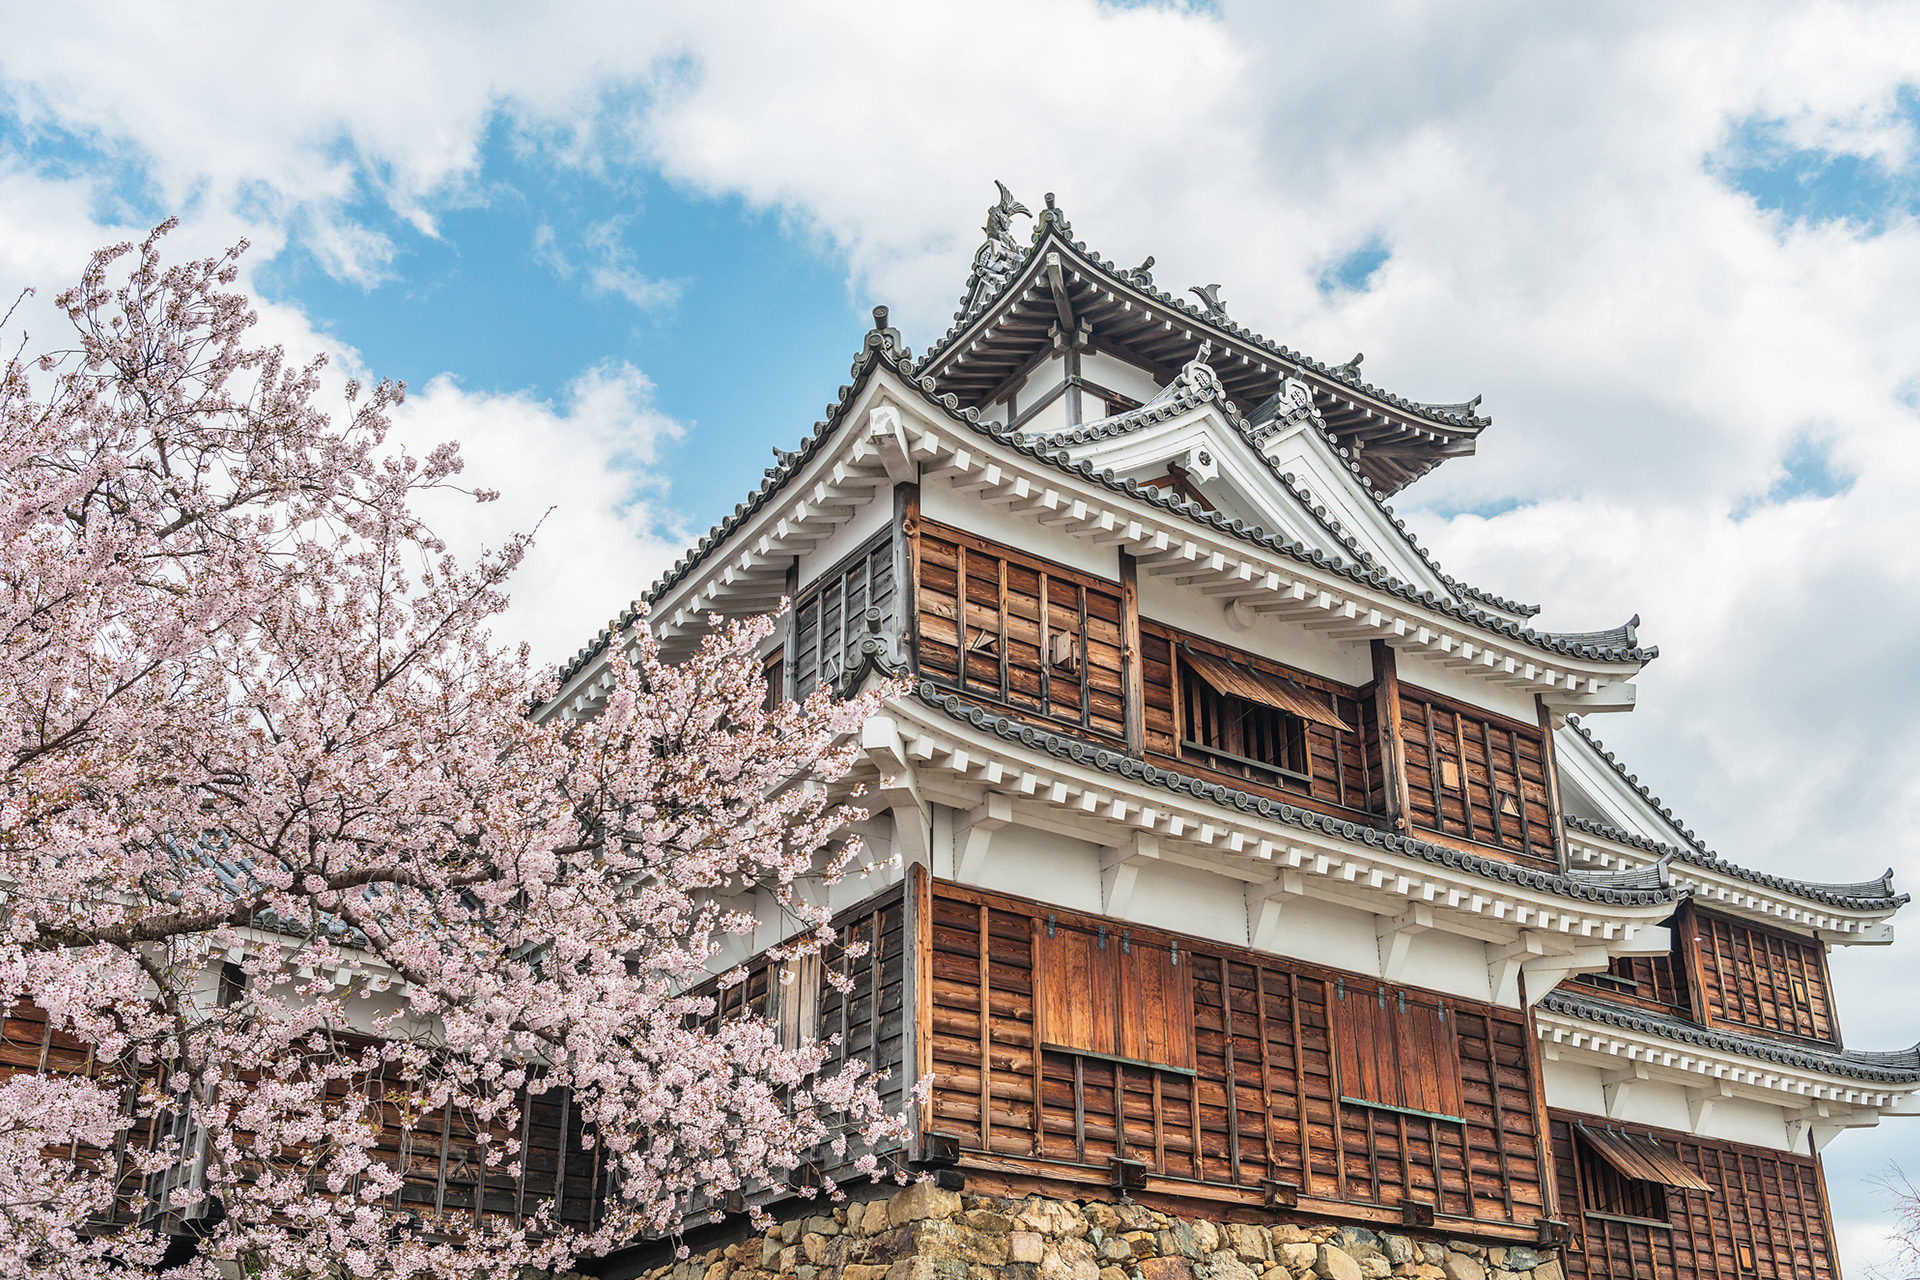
(1393, 749)
(1132, 682)
(1550, 761)
(1687, 953)
(906, 568)
(916, 1002)
(1549, 1178)
(790, 647)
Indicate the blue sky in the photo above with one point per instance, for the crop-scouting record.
(622, 253)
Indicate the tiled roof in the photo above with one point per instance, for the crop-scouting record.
(1865, 895)
(882, 347)
(1630, 890)
(1187, 392)
(1899, 1066)
(975, 300)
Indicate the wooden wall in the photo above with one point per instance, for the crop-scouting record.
(1034, 636)
(1343, 769)
(1752, 977)
(830, 618)
(438, 1156)
(1476, 776)
(1766, 1218)
(1263, 1100)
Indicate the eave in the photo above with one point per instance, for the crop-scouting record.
(1723, 890)
(930, 748)
(1402, 439)
(1821, 1093)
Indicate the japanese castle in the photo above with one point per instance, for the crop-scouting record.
(1237, 859)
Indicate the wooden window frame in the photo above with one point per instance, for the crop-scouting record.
(875, 555)
(1118, 1022)
(1288, 729)
(1387, 1003)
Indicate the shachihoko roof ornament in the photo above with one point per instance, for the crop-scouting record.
(1000, 255)
(1209, 295)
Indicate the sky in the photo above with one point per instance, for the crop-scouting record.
(622, 251)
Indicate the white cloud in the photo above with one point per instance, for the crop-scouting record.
(607, 266)
(1651, 343)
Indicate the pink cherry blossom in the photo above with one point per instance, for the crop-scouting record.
(283, 854)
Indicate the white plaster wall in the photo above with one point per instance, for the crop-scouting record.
(1578, 1087)
(1117, 375)
(1188, 900)
(1416, 669)
(1052, 417)
(938, 501)
(1449, 963)
(1163, 600)
(1043, 866)
(873, 516)
(1329, 934)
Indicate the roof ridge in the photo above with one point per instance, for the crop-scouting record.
(1856, 895)
(1052, 218)
(1900, 1066)
(1108, 760)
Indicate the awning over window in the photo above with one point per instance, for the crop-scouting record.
(1271, 691)
(1642, 1157)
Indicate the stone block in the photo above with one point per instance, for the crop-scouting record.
(1166, 1269)
(769, 1251)
(1336, 1264)
(1357, 1243)
(1375, 1266)
(1398, 1249)
(1519, 1258)
(920, 1201)
(1112, 1273)
(1253, 1244)
(1115, 1249)
(717, 1271)
(814, 1245)
(1549, 1270)
(1222, 1265)
(873, 1217)
(1051, 1218)
(1025, 1246)
(1299, 1255)
(1206, 1236)
(987, 1220)
(1459, 1266)
(1291, 1233)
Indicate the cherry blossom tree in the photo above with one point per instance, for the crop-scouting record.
(283, 850)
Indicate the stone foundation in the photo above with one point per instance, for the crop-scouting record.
(927, 1233)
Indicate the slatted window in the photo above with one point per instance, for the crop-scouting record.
(774, 672)
(1604, 1189)
(1257, 721)
(1476, 776)
(1397, 1050)
(830, 618)
(1748, 1213)
(1103, 993)
(1016, 630)
(1652, 980)
(1754, 977)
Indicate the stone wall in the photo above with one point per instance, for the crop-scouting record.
(928, 1233)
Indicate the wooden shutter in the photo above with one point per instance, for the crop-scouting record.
(1079, 989)
(1156, 1006)
(1102, 992)
(1398, 1049)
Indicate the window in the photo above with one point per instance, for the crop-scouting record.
(774, 671)
(1103, 992)
(830, 618)
(1396, 1050)
(1626, 1175)
(1247, 721)
(1015, 630)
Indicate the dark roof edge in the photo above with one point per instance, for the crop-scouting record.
(882, 346)
(1605, 887)
(1053, 223)
(1164, 406)
(1898, 1066)
(1865, 895)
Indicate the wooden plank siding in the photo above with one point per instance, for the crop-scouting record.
(441, 1162)
(1031, 635)
(1764, 1219)
(1262, 1101)
(1756, 978)
(1654, 982)
(1476, 777)
(1340, 772)
(829, 619)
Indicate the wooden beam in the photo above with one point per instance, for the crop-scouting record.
(1393, 751)
(1132, 680)
(1548, 758)
(1061, 303)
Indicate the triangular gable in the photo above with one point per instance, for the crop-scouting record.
(1281, 473)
